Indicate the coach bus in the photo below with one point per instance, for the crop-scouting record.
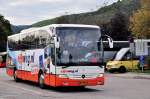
(57, 55)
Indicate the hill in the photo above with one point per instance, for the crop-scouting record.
(101, 16)
(17, 29)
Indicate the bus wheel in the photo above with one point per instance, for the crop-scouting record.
(81, 87)
(41, 81)
(122, 69)
(15, 76)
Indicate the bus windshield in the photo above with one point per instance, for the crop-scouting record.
(78, 46)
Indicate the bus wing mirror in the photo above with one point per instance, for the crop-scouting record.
(110, 41)
(56, 40)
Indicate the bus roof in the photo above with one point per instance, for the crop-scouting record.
(14, 35)
(72, 25)
(54, 26)
(58, 25)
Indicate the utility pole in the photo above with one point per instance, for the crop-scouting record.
(131, 41)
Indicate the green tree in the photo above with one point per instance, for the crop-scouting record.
(140, 21)
(119, 27)
(5, 30)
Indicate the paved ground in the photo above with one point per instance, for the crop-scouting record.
(117, 86)
(133, 75)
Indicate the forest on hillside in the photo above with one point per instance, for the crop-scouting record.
(5, 30)
(119, 20)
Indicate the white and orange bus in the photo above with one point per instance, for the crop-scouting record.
(57, 55)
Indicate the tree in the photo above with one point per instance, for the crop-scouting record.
(5, 30)
(119, 27)
(140, 21)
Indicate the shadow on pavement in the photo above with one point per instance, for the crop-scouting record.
(60, 89)
(72, 89)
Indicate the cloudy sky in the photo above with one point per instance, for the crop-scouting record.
(23, 12)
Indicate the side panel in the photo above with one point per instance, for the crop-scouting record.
(128, 64)
(12, 62)
(27, 63)
(10, 71)
(33, 61)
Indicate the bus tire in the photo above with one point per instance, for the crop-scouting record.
(15, 76)
(122, 69)
(81, 87)
(41, 81)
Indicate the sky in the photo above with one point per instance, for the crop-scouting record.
(27, 12)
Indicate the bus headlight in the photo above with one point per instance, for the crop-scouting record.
(100, 75)
(62, 76)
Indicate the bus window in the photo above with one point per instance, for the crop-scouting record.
(76, 44)
(43, 37)
(53, 55)
(13, 43)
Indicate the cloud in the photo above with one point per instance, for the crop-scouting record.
(31, 11)
(34, 2)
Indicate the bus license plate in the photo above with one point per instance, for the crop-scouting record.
(83, 83)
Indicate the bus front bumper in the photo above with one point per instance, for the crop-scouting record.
(56, 81)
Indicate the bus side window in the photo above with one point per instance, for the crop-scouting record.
(53, 55)
(45, 55)
(13, 43)
(47, 52)
(42, 38)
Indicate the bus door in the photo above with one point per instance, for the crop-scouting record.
(49, 58)
(22, 64)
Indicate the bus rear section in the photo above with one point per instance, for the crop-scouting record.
(57, 55)
(2, 59)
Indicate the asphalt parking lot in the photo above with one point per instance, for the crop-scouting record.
(117, 86)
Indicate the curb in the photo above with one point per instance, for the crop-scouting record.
(132, 76)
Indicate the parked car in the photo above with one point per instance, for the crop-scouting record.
(122, 61)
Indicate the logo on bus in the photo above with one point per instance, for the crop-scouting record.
(26, 59)
(69, 71)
